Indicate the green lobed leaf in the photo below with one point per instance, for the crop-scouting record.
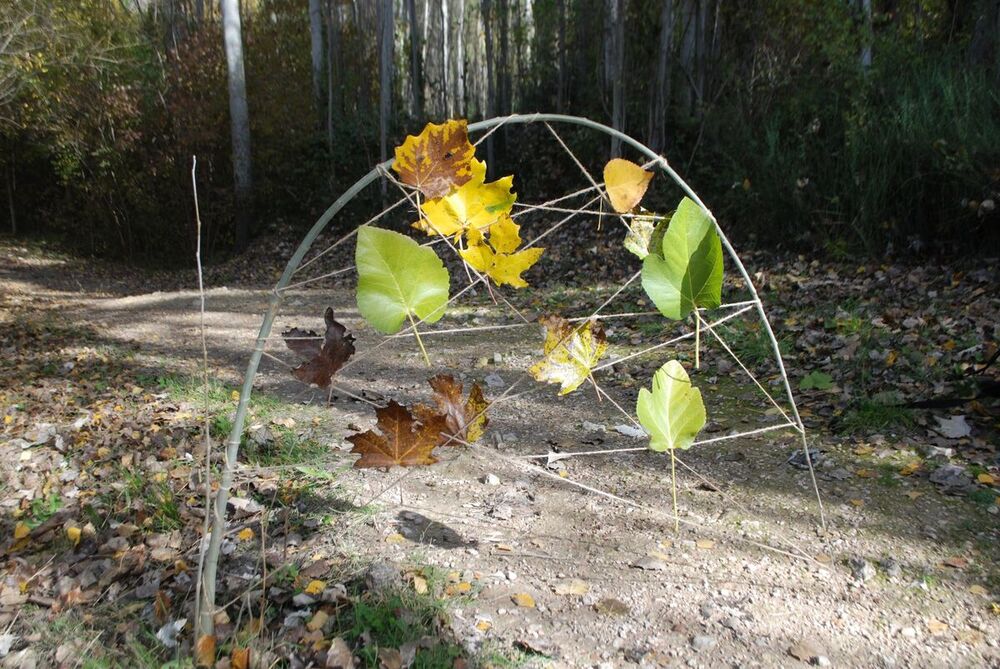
(816, 380)
(688, 274)
(398, 278)
(673, 413)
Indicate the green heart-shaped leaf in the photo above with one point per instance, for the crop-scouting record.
(673, 413)
(397, 279)
(688, 273)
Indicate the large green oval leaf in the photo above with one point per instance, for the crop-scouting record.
(688, 273)
(398, 278)
(673, 413)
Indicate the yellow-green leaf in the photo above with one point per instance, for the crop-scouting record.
(673, 413)
(571, 352)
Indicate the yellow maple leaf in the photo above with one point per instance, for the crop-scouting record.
(21, 530)
(74, 534)
(473, 205)
(438, 159)
(571, 352)
(500, 259)
(626, 183)
(315, 587)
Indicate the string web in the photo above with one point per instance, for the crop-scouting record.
(587, 202)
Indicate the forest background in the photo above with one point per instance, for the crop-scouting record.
(860, 126)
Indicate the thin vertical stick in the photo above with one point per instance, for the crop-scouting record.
(673, 490)
(202, 609)
(697, 340)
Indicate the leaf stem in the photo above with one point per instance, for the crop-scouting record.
(416, 335)
(673, 490)
(697, 339)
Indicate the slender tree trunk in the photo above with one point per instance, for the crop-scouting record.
(616, 71)
(11, 187)
(416, 68)
(332, 84)
(446, 57)
(660, 99)
(504, 98)
(199, 11)
(316, 52)
(491, 103)
(385, 56)
(983, 48)
(866, 49)
(239, 119)
(561, 57)
(459, 58)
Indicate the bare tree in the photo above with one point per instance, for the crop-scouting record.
(615, 67)
(459, 58)
(316, 51)
(239, 119)
(385, 55)
(491, 98)
(416, 65)
(561, 58)
(660, 99)
(866, 48)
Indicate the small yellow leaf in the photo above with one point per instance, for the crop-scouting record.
(395, 538)
(524, 600)
(7, 420)
(240, 658)
(204, 652)
(910, 468)
(914, 494)
(866, 473)
(857, 502)
(483, 625)
(74, 534)
(571, 352)
(626, 183)
(420, 585)
(935, 626)
(986, 479)
(235, 396)
(317, 621)
(246, 534)
(705, 544)
(21, 530)
(315, 587)
(978, 590)
(500, 260)
(823, 558)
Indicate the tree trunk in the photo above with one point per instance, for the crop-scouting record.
(11, 187)
(385, 56)
(239, 119)
(616, 68)
(446, 58)
(983, 44)
(199, 11)
(491, 103)
(459, 58)
(316, 51)
(332, 68)
(660, 99)
(416, 68)
(866, 49)
(561, 57)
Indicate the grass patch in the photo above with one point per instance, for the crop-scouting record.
(871, 416)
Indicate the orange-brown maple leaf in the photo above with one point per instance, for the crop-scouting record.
(436, 160)
(324, 358)
(401, 440)
(466, 419)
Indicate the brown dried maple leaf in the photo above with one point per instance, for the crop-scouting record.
(326, 358)
(436, 160)
(466, 419)
(404, 440)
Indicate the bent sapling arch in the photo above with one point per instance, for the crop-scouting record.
(489, 252)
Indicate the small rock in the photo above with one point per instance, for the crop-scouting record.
(892, 568)
(822, 661)
(303, 600)
(494, 380)
(490, 479)
(702, 642)
(798, 458)
(381, 577)
(650, 564)
(861, 569)
(908, 632)
(593, 427)
(950, 476)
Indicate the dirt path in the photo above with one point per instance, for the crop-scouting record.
(900, 578)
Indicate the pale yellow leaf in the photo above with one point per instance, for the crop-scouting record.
(626, 183)
(523, 600)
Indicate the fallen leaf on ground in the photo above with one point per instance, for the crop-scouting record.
(315, 587)
(339, 655)
(246, 534)
(935, 626)
(317, 621)
(571, 352)
(978, 590)
(571, 587)
(956, 562)
(466, 419)
(523, 600)
(705, 543)
(953, 427)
